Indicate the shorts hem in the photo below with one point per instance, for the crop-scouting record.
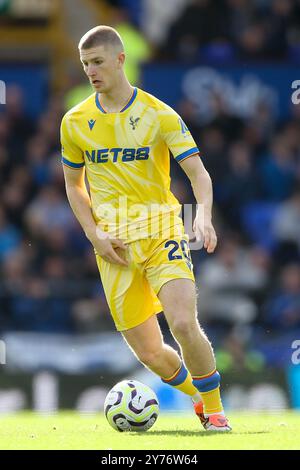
(191, 278)
(137, 323)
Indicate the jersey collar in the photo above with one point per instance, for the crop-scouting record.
(127, 105)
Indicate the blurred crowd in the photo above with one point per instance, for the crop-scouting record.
(48, 271)
(223, 30)
(249, 290)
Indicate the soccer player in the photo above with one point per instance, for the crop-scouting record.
(120, 137)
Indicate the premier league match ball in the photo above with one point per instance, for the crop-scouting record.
(131, 406)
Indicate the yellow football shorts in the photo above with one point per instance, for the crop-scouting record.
(131, 292)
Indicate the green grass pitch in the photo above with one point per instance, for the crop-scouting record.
(69, 430)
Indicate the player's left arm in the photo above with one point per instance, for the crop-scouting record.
(202, 188)
(180, 142)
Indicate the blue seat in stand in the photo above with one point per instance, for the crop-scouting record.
(257, 220)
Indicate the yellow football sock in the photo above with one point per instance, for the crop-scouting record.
(212, 401)
(187, 386)
(182, 380)
(209, 388)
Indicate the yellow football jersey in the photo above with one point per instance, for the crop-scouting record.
(127, 162)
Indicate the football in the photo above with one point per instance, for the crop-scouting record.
(131, 406)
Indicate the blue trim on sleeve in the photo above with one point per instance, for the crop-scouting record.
(71, 164)
(186, 154)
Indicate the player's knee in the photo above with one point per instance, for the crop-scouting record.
(150, 357)
(183, 327)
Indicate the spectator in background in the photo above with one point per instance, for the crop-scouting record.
(223, 30)
(291, 133)
(21, 125)
(48, 129)
(9, 237)
(16, 193)
(37, 151)
(293, 35)
(235, 352)
(241, 13)
(55, 241)
(5, 130)
(54, 269)
(157, 16)
(12, 275)
(235, 268)
(4, 163)
(252, 43)
(282, 308)
(262, 29)
(202, 22)
(277, 22)
(227, 281)
(286, 228)
(213, 149)
(277, 170)
(262, 123)
(91, 315)
(224, 118)
(39, 308)
(34, 302)
(240, 185)
(48, 210)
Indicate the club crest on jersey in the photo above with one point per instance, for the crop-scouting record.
(133, 122)
(91, 123)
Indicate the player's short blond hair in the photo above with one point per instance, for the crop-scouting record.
(101, 35)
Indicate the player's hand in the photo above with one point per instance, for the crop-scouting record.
(111, 250)
(206, 233)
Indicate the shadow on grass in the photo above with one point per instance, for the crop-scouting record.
(200, 433)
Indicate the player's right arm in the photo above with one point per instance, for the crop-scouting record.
(80, 202)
